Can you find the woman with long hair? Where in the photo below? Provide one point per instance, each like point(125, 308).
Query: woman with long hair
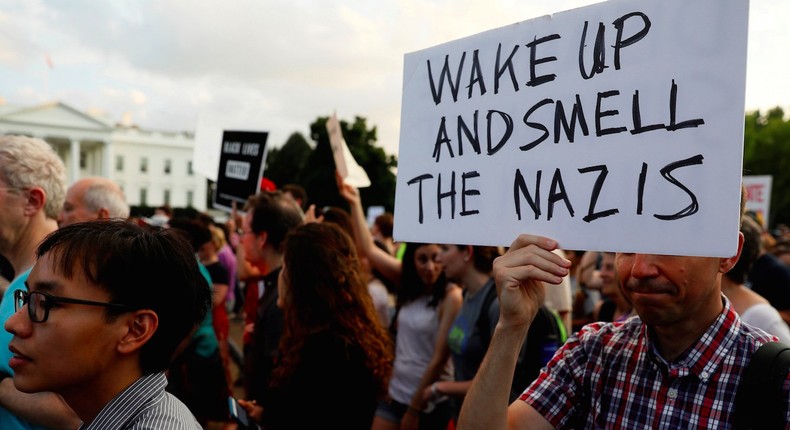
point(426, 306)
point(332, 338)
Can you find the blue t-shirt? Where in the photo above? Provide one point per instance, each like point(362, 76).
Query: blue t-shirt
point(9, 421)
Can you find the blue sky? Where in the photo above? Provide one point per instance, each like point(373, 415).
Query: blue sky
point(275, 64)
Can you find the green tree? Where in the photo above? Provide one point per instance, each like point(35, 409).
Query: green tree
point(284, 165)
point(767, 152)
point(318, 174)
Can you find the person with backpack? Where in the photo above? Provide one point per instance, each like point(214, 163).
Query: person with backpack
point(470, 335)
point(678, 364)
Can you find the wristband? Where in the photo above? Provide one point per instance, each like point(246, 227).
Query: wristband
point(434, 390)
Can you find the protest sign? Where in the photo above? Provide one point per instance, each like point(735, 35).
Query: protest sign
point(240, 167)
point(345, 164)
point(617, 126)
point(758, 196)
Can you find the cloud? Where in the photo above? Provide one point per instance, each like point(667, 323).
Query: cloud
point(276, 63)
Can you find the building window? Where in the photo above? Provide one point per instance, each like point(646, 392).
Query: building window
point(144, 164)
point(167, 197)
point(190, 198)
point(83, 159)
point(167, 167)
point(119, 163)
point(143, 197)
point(190, 172)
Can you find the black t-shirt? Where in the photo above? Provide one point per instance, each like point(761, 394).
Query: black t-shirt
point(770, 278)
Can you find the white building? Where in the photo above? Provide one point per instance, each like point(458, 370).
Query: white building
point(153, 167)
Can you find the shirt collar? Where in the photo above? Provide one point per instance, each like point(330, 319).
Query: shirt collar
point(706, 355)
point(128, 403)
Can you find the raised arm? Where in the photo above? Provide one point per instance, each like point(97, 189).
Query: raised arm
point(381, 260)
point(519, 275)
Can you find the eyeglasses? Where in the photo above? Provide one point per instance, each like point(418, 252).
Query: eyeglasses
point(39, 304)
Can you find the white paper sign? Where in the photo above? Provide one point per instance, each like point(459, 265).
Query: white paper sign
point(347, 167)
point(758, 195)
point(617, 126)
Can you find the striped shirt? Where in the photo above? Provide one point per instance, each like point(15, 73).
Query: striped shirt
point(144, 406)
point(612, 376)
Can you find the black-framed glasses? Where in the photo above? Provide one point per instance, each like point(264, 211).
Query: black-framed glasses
point(39, 304)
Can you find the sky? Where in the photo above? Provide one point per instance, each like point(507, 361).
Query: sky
point(275, 65)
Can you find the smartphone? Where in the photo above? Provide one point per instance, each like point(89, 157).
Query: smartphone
point(239, 414)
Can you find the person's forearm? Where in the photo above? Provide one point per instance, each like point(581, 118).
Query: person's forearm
point(485, 405)
point(43, 409)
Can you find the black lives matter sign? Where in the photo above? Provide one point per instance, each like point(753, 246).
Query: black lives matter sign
point(240, 167)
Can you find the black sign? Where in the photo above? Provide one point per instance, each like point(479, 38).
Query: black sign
point(240, 167)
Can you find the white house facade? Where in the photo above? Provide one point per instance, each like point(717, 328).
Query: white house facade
point(154, 168)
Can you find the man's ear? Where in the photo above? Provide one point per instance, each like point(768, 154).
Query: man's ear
point(728, 263)
point(36, 199)
point(141, 325)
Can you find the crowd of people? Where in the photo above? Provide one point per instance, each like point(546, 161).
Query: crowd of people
point(119, 322)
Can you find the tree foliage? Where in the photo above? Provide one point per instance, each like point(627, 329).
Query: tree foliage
point(767, 152)
point(284, 165)
point(314, 167)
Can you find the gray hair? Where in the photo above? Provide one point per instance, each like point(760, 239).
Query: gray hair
point(104, 193)
point(27, 162)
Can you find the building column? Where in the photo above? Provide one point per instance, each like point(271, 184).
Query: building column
point(74, 171)
point(106, 163)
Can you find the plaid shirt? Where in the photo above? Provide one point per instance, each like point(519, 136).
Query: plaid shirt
point(611, 376)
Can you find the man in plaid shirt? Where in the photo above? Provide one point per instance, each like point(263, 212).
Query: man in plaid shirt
point(676, 365)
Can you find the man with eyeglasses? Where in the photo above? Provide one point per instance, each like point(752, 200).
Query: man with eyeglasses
point(32, 190)
point(98, 331)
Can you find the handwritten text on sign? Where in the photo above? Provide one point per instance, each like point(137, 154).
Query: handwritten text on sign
point(617, 126)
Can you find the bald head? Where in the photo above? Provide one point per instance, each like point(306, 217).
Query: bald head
point(91, 199)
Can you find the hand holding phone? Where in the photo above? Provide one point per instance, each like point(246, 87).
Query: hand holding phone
point(239, 414)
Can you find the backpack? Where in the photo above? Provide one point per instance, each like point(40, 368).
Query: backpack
point(758, 402)
point(546, 334)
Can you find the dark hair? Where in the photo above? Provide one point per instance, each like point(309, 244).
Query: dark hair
point(274, 214)
point(142, 269)
point(340, 217)
point(384, 222)
point(298, 192)
point(483, 257)
point(411, 285)
point(325, 291)
point(195, 231)
point(752, 237)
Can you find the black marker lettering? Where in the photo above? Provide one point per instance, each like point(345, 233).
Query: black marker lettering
point(418, 180)
point(591, 215)
point(555, 195)
point(499, 71)
point(520, 188)
point(465, 192)
point(535, 80)
point(441, 138)
point(445, 74)
point(599, 52)
point(619, 43)
point(440, 196)
point(561, 120)
point(536, 125)
point(505, 136)
point(666, 172)
point(599, 114)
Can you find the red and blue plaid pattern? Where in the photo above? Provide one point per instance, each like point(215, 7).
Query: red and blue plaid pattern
point(610, 376)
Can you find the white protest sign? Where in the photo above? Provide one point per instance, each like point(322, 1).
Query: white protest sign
point(347, 167)
point(617, 126)
point(758, 195)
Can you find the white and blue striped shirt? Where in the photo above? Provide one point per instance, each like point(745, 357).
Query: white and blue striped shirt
point(145, 405)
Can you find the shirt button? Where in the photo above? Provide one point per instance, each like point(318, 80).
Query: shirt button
point(704, 375)
point(673, 393)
